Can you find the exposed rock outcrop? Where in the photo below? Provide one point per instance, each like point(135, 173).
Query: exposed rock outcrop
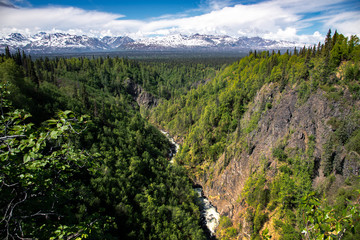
point(283, 115)
point(140, 95)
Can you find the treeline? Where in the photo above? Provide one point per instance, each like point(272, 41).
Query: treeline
point(80, 161)
point(163, 78)
point(209, 120)
point(207, 114)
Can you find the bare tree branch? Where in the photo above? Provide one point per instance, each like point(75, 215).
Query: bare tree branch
point(10, 137)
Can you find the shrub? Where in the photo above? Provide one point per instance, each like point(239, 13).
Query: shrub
point(353, 143)
point(225, 222)
point(259, 219)
point(279, 153)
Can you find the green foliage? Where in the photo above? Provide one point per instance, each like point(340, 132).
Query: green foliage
point(225, 230)
point(322, 222)
point(113, 180)
point(110, 181)
point(282, 193)
point(225, 222)
point(304, 91)
point(328, 158)
point(265, 234)
point(40, 172)
point(353, 144)
point(287, 231)
point(254, 192)
point(208, 116)
point(279, 153)
point(252, 125)
point(346, 133)
point(259, 219)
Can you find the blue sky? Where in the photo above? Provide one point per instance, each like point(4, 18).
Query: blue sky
point(132, 9)
point(305, 21)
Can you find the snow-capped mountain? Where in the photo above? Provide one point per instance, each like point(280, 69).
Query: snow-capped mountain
point(64, 42)
point(175, 41)
point(179, 41)
point(116, 42)
point(15, 39)
point(51, 43)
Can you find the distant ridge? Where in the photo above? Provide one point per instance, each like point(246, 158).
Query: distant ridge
point(64, 43)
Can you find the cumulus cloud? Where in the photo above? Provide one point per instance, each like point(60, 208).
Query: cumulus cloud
point(291, 34)
point(274, 19)
point(54, 17)
point(346, 22)
point(215, 4)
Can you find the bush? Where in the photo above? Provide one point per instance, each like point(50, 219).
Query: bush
point(259, 219)
point(304, 92)
point(354, 88)
point(287, 231)
point(279, 153)
point(354, 142)
point(225, 222)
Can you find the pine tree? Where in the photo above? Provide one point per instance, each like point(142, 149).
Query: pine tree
point(7, 52)
point(17, 57)
point(328, 44)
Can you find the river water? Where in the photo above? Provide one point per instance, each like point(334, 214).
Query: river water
point(209, 217)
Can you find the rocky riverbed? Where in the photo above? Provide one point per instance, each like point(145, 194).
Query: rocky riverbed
point(209, 216)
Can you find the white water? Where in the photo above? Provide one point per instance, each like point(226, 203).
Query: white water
point(208, 211)
point(173, 151)
point(209, 216)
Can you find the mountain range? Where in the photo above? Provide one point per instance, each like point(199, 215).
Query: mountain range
point(64, 42)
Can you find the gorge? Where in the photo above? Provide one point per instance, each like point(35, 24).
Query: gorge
point(209, 216)
point(270, 146)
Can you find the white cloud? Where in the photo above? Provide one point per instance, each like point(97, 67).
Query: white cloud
point(216, 4)
point(290, 34)
point(58, 18)
point(275, 19)
point(346, 22)
point(306, 6)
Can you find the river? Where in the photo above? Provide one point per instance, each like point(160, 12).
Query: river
point(209, 217)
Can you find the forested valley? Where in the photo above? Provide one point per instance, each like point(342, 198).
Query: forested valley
point(274, 139)
point(77, 158)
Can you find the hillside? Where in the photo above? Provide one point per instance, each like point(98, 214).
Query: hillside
point(77, 158)
point(273, 139)
point(274, 135)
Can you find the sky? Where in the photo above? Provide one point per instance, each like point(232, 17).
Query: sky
point(304, 21)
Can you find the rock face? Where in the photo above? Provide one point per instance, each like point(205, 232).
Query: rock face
point(285, 116)
point(142, 97)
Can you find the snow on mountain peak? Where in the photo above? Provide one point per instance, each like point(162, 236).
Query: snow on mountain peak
point(60, 42)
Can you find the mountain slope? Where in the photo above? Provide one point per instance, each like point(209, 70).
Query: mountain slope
point(63, 42)
point(198, 41)
point(52, 43)
point(106, 179)
point(116, 42)
point(267, 132)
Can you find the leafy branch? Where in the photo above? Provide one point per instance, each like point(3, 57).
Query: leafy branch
point(322, 222)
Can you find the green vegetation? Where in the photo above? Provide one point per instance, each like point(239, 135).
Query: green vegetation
point(229, 93)
point(322, 222)
point(80, 161)
point(220, 118)
point(103, 175)
point(225, 228)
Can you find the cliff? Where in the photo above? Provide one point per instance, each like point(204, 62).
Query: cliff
point(142, 97)
point(274, 139)
point(289, 122)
